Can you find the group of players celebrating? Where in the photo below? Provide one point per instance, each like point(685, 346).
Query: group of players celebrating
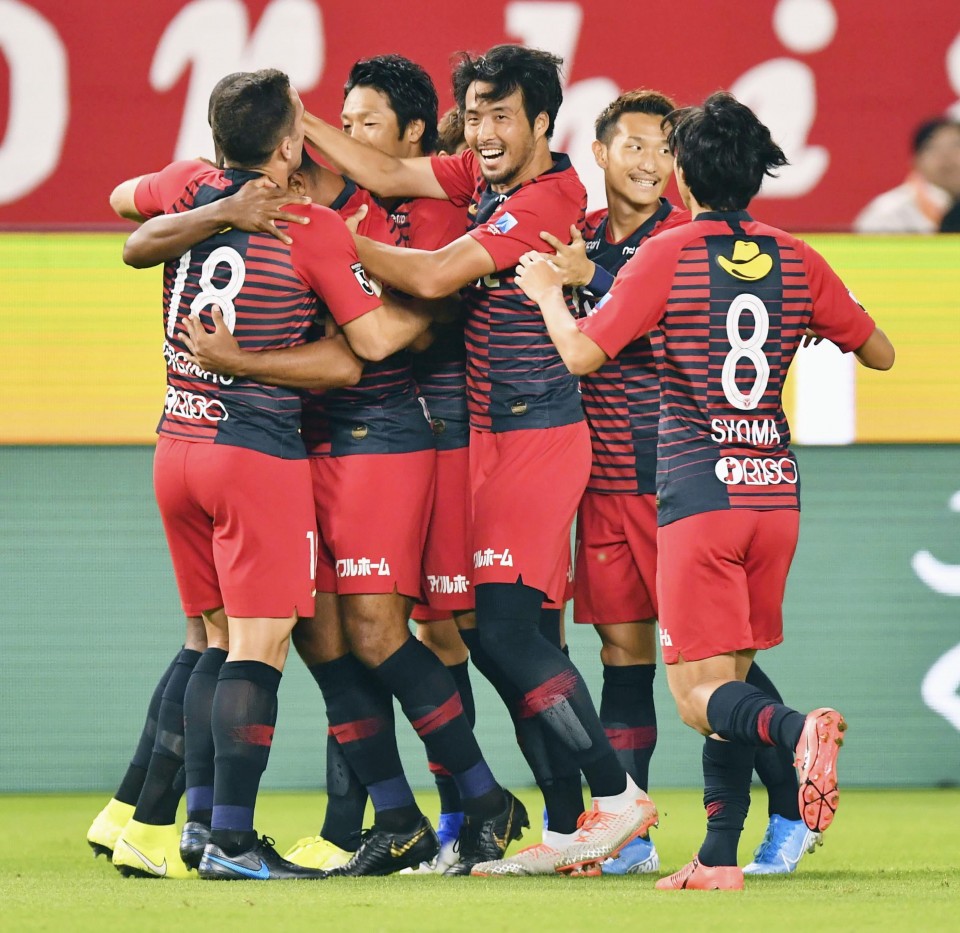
point(394, 389)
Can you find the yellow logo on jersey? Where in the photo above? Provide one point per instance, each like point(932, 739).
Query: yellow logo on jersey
point(748, 263)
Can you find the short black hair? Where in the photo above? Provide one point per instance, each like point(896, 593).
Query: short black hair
point(923, 133)
point(508, 68)
point(218, 89)
point(251, 115)
point(723, 150)
point(640, 100)
point(407, 86)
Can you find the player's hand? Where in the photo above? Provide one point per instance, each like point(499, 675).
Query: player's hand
point(354, 220)
point(215, 351)
point(257, 207)
point(537, 276)
point(570, 259)
point(811, 339)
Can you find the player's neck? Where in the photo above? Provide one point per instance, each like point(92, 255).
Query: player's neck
point(624, 218)
point(540, 161)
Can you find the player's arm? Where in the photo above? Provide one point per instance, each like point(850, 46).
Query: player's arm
point(122, 200)
point(319, 365)
point(425, 273)
point(572, 264)
point(389, 328)
point(255, 208)
point(877, 352)
point(543, 283)
point(374, 170)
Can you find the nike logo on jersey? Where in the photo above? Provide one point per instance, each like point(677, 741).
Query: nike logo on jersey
point(748, 264)
point(260, 873)
point(160, 870)
point(398, 851)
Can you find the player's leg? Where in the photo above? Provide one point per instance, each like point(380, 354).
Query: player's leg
point(198, 738)
point(109, 822)
point(441, 635)
point(787, 838)
point(527, 485)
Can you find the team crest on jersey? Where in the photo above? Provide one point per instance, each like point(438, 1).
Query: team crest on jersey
point(747, 264)
point(370, 285)
point(503, 224)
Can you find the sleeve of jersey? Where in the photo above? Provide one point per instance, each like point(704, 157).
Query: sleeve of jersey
point(158, 192)
point(378, 226)
point(435, 223)
point(457, 175)
point(515, 227)
point(837, 315)
point(636, 302)
point(324, 256)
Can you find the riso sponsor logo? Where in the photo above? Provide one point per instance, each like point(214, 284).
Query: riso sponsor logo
point(760, 432)
point(756, 471)
point(182, 404)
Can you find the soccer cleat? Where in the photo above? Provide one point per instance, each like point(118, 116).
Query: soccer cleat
point(317, 852)
point(383, 853)
point(816, 763)
point(261, 862)
point(448, 832)
point(534, 860)
point(636, 858)
point(193, 840)
point(696, 877)
point(604, 834)
point(107, 825)
point(487, 840)
point(146, 851)
point(784, 843)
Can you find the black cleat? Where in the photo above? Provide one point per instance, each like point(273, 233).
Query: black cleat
point(260, 863)
point(383, 853)
point(487, 840)
point(193, 840)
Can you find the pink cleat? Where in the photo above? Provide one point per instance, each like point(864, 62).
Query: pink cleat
point(816, 763)
point(696, 877)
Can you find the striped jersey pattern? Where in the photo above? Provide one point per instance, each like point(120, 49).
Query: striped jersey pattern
point(515, 377)
point(732, 298)
point(622, 399)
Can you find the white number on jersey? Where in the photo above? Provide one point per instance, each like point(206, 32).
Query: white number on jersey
point(751, 350)
point(210, 294)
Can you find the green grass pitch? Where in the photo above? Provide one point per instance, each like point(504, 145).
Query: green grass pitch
point(890, 862)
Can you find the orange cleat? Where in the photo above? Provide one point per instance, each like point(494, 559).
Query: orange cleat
point(816, 763)
point(696, 877)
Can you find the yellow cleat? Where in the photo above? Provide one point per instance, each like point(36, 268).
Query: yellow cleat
point(317, 852)
point(106, 828)
point(145, 851)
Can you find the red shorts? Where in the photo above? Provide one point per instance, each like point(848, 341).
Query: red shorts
point(372, 511)
point(721, 581)
point(447, 563)
point(616, 570)
point(526, 486)
point(240, 528)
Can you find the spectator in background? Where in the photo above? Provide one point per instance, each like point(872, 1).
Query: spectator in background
point(930, 189)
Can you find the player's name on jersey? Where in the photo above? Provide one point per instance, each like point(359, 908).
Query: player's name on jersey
point(758, 432)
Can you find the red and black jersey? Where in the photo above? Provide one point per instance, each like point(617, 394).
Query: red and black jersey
point(382, 412)
point(441, 369)
point(515, 377)
point(269, 293)
point(622, 399)
point(732, 298)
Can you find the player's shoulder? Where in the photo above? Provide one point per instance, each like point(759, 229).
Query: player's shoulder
point(593, 222)
point(677, 217)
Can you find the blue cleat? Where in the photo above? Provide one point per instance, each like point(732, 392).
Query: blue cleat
point(637, 858)
point(259, 863)
point(784, 843)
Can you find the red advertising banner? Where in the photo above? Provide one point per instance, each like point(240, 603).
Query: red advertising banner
point(95, 91)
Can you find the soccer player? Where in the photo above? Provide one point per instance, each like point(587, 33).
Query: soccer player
point(244, 546)
point(615, 581)
point(529, 446)
point(732, 299)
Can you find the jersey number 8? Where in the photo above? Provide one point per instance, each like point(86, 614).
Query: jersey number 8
point(751, 350)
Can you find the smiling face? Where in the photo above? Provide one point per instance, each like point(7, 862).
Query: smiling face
point(636, 160)
point(504, 142)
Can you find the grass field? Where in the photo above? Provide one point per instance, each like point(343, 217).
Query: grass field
point(889, 863)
